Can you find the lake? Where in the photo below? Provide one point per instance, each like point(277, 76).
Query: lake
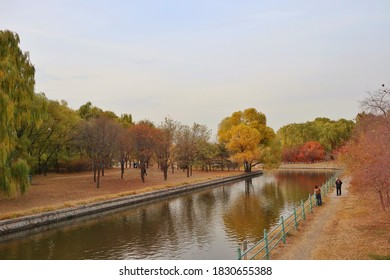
point(206, 224)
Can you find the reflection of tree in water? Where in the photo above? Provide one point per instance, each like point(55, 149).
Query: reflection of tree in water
point(297, 184)
point(253, 210)
point(248, 186)
point(138, 230)
point(160, 229)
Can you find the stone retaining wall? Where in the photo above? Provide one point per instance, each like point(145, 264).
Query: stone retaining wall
point(28, 222)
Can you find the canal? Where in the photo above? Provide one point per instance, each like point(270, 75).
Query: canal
point(206, 224)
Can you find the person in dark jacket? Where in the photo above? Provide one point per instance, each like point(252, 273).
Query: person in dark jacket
point(338, 187)
point(317, 192)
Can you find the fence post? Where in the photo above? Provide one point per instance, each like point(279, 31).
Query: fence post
point(303, 210)
point(311, 205)
point(239, 253)
point(283, 230)
point(245, 248)
point(327, 186)
point(266, 244)
point(295, 218)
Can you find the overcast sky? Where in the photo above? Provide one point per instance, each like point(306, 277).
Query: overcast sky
point(200, 61)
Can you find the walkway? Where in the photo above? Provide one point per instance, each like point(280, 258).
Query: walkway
point(307, 243)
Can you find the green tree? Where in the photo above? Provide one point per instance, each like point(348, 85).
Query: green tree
point(330, 134)
point(49, 141)
point(17, 80)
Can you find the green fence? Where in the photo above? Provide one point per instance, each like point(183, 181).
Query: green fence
point(262, 249)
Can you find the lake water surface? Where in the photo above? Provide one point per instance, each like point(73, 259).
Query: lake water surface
point(206, 224)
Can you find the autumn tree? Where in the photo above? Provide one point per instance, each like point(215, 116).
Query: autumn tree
point(377, 102)
point(189, 141)
point(311, 152)
point(17, 80)
point(98, 137)
point(330, 134)
point(367, 155)
point(144, 137)
point(246, 135)
point(165, 144)
point(124, 148)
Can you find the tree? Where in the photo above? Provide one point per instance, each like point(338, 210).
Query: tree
point(367, 154)
point(246, 135)
point(17, 80)
point(144, 137)
point(377, 102)
point(98, 137)
point(165, 144)
point(124, 148)
point(311, 152)
point(50, 139)
point(330, 134)
point(126, 120)
point(367, 157)
point(189, 141)
point(244, 145)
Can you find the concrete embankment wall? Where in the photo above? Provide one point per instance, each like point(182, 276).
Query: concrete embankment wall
point(29, 222)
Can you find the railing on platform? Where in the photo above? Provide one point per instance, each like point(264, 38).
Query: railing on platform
point(262, 249)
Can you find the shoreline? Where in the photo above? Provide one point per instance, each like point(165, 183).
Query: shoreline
point(14, 225)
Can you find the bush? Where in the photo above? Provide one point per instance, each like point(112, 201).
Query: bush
point(77, 165)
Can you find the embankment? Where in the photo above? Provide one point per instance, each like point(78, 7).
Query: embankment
point(28, 222)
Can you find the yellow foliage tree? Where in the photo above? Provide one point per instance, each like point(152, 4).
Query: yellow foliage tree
point(246, 136)
point(244, 145)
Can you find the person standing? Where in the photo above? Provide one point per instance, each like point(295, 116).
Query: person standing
point(317, 192)
point(338, 187)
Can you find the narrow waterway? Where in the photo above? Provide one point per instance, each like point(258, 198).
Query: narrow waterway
point(207, 224)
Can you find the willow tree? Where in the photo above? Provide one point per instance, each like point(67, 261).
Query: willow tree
point(247, 136)
point(16, 98)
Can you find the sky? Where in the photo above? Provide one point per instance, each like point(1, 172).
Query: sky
point(200, 61)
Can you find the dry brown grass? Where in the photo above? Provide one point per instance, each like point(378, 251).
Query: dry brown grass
point(56, 191)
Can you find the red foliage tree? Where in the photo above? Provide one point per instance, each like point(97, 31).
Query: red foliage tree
point(144, 139)
point(290, 155)
point(367, 157)
point(311, 152)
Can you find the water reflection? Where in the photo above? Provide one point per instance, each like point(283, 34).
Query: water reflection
point(208, 224)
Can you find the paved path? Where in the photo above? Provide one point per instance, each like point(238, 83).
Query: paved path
point(306, 243)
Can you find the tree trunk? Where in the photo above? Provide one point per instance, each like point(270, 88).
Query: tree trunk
point(98, 177)
point(381, 199)
point(143, 171)
point(122, 168)
point(39, 166)
point(94, 172)
point(165, 170)
point(247, 167)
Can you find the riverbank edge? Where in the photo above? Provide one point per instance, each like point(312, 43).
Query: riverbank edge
point(28, 222)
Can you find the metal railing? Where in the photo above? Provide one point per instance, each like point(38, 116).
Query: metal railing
point(262, 249)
